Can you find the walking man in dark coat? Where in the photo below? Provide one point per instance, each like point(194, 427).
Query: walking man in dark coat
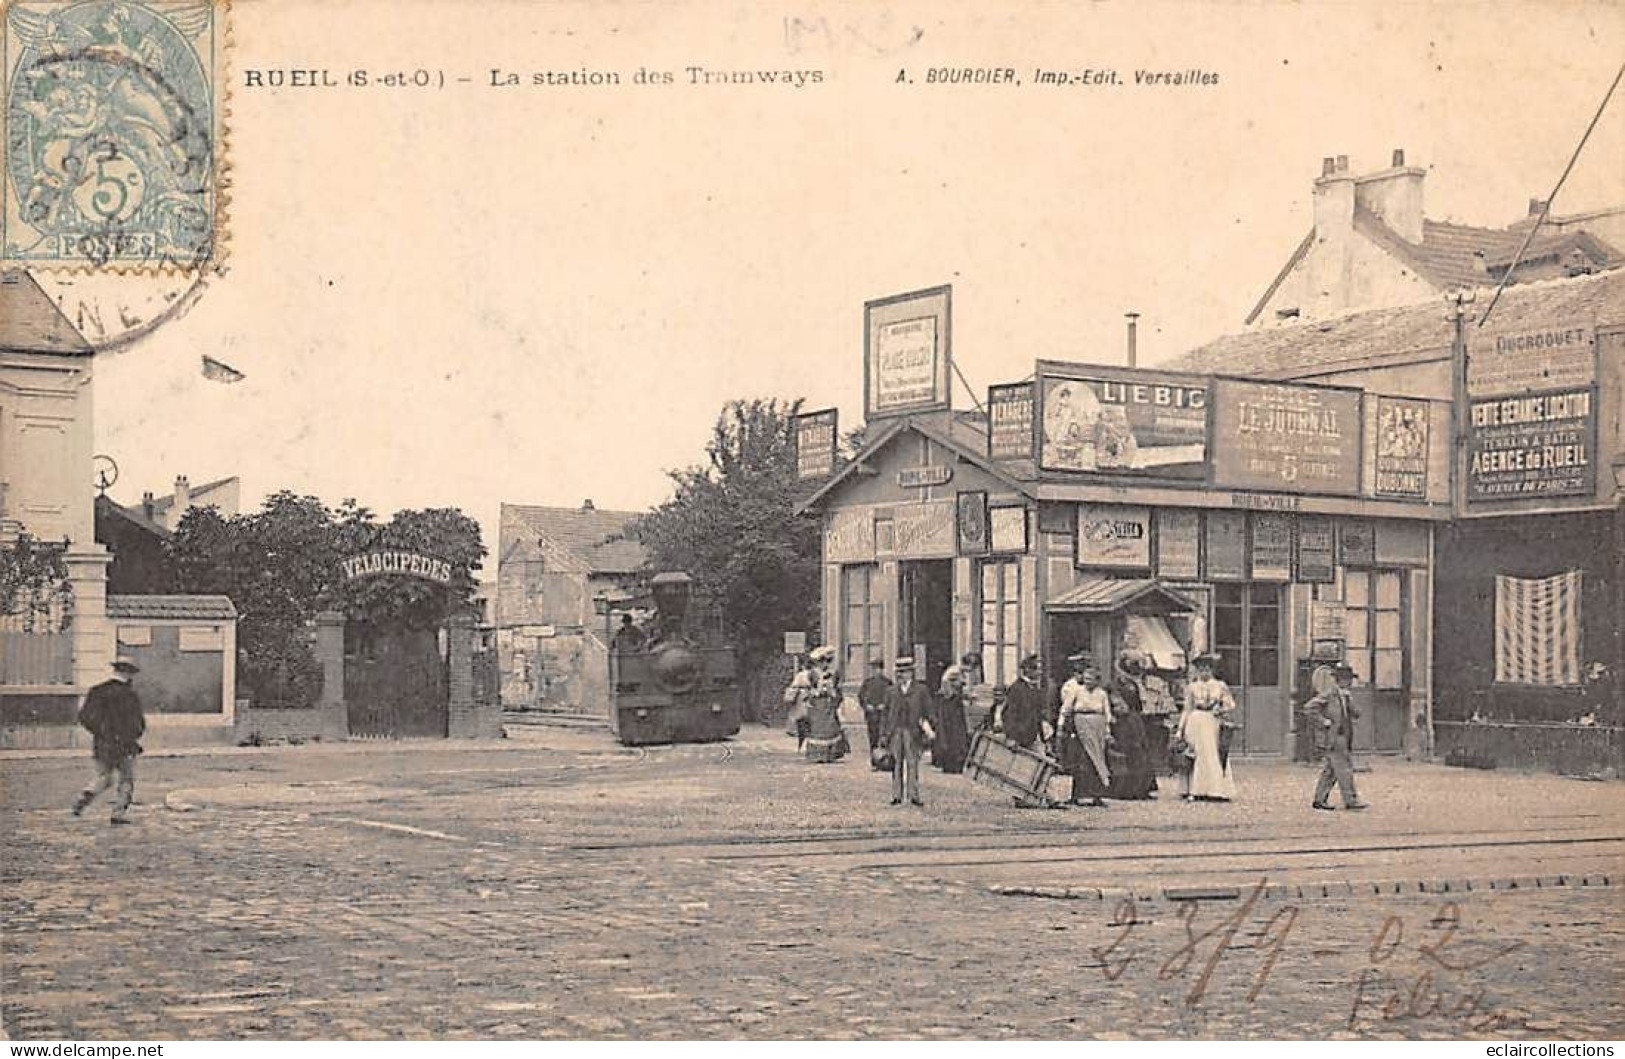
point(905, 730)
point(112, 714)
point(872, 698)
point(1331, 717)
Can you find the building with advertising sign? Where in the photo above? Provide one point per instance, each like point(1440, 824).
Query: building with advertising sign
point(1530, 590)
point(1096, 508)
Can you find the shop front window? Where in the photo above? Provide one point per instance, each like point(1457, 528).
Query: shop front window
point(1247, 633)
point(1001, 620)
point(1376, 637)
point(862, 621)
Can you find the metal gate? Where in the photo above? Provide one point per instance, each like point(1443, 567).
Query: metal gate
point(395, 681)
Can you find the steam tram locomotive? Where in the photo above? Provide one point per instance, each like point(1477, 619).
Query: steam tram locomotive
point(678, 685)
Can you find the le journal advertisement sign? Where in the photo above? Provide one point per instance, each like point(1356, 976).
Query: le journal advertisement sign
point(1274, 436)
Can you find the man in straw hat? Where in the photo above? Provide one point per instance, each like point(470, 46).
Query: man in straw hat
point(1331, 715)
point(905, 730)
point(112, 714)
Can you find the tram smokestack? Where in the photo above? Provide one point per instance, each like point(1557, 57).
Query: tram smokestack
point(1133, 337)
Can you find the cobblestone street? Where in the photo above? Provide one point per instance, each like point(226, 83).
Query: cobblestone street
point(560, 886)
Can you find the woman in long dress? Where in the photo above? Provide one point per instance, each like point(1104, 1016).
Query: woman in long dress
point(1133, 776)
point(1085, 729)
point(826, 739)
point(952, 746)
point(1209, 706)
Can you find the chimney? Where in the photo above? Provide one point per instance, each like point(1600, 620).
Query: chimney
point(146, 505)
point(1481, 268)
point(586, 505)
point(1395, 195)
point(1133, 337)
point(183, 496)
point(1334, 200)
point(1537, 207)
point(1332, 259)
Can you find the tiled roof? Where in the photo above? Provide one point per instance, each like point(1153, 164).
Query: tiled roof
point(1285, 352)
point(1447, 255)
point(30, 322)
point(170, 608)
point(1100, 595)
point(596, 536)
point(110, 508)
point(164, 503)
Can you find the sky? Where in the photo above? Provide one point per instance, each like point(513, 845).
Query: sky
point(475, 295)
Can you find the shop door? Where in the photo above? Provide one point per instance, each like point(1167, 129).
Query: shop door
point(926, 614)
point(1247, 638)
point(1377, 653)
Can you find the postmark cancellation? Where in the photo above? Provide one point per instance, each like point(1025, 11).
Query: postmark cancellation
point(113, 124)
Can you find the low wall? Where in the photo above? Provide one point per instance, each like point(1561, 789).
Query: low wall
point(1567, 749)
point(327, 722)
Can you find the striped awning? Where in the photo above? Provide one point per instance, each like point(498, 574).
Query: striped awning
point(1103, 595)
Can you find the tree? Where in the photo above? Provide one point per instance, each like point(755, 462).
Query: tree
point(280, 566)
point(34, 584)
point(731, 525)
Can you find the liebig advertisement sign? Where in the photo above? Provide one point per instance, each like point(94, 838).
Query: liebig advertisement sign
point(1122, 422)
point(1290, 438)
point(1532, 446)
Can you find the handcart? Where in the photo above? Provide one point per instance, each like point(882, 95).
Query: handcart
point(1024, 774)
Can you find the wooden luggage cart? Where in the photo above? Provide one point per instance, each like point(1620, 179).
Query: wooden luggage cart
point(1025, 774)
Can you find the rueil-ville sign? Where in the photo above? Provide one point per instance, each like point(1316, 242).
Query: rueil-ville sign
point(401, 564)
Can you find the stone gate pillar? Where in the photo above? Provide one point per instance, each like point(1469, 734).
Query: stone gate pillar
point(467, 718)
point(330, 653)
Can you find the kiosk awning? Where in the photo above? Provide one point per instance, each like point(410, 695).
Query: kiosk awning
point(1103, 595)
point(1148, 634)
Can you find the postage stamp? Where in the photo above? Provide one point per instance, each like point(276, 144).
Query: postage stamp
point(113, 134)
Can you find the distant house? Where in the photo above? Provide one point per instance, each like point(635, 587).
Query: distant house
point(140, 563)
point(223, 494)
point(1371, 246)
point(553, 562)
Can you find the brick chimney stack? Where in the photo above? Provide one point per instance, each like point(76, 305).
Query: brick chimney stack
point(586, 505)
point(1395, 195)
point(183, 497)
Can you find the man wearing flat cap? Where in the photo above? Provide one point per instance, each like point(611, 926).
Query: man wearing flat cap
point(1331, 715)
point(112, 714)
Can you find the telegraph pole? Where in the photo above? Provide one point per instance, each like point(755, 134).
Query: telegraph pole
point(1460, 414)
